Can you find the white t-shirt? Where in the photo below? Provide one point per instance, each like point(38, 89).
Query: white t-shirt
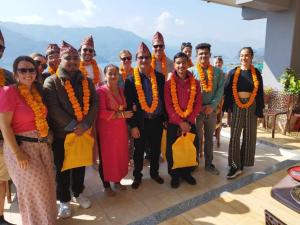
point(90, 72)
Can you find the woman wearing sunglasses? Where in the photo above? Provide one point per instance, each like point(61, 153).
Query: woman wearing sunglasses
point(27, 154)
point(41, 63)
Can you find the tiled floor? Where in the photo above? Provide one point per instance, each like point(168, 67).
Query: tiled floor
point(243, 207)
point(131, 205)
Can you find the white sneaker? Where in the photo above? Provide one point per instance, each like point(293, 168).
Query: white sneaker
point(84, 202)
point(64, 210)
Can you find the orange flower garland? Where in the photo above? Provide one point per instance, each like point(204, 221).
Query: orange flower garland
point(206, 86)
point(190, 63)
point(79, 113)
point(140, 91)
point(123, 72)
point(34, 100)
point(2, 78)
point(163, 63)
point(51, 70)
point(235, 92)
point(96, 70)
point(189, 108)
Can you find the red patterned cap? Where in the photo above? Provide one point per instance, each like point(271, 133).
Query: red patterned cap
point(158, 38)
point(1, 37)
point(67, 49)
point(88, 41)
point(143, 48)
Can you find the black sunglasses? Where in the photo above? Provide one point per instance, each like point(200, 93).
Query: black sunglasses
point(88, 50)
point(39, 63)
point(26, 70)
point(160, 46)
point(143, 57)
point(2, 47)
point(126, 58)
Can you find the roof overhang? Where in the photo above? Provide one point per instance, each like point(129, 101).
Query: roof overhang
point(263, 5)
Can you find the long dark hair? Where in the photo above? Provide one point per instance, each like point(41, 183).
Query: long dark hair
point(250, 50)
point(26, 59)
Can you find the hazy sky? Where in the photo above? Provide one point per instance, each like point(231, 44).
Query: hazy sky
point(185, 20)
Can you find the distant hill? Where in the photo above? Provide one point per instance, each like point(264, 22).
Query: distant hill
point(24, 39)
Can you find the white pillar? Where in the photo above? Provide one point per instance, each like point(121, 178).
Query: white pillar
point(282, 42)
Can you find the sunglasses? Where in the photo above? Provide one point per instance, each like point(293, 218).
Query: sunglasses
point(2, 47)
point(126, 58)
point(26, 70)
point(160, 46)
point(39, 63)
point(88, 50)
point(143, 57)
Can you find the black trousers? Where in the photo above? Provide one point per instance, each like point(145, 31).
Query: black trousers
point(150, 136)
point(63, 179)
point(172, 135)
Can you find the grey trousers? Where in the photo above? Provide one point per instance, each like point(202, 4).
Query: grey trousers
point(206, 126)
point(242, 120)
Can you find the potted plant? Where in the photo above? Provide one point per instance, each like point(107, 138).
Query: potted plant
point(290, 81)
point(267, 93)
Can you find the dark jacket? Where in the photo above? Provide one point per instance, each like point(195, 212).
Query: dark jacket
point(60, 111)
point(229, 99)
point(9, 78)
point(132, 99)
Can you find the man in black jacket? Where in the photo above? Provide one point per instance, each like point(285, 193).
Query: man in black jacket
point(144, 93)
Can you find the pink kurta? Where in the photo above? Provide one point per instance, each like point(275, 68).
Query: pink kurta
point(112, 135)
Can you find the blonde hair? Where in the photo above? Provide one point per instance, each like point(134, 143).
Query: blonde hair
point(124, 52)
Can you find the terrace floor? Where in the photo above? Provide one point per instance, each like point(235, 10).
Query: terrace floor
point(214, 199)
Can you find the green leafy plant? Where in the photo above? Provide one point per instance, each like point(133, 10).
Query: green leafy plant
point(268, 90)
point(290, 81)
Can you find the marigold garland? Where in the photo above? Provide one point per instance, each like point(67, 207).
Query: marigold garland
point(123, 72)
point(34, 100)
point(79, 113)
point(51, 70)
point(190, 63)
point(140, 91)
point(163, 63)
point(2, 78)
point(235, 92)
point(96, 70)
point(206, 86)
point(189, 108)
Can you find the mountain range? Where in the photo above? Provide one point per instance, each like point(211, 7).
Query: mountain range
point(24, 39)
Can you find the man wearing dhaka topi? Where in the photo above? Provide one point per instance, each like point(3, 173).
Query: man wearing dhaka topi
point(88, 65)
point(72, 104)
point(144, 92)
point(159, 61)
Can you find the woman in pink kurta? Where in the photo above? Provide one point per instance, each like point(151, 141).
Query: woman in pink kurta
point(112, 129)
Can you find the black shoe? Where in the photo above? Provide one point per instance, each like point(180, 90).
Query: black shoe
point(233, 173)
point(212, 169)
point(175, 182)
point(158, 179)
point(189, 179)
point(136, 183)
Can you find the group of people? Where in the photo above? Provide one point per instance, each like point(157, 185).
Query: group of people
point(116, 106)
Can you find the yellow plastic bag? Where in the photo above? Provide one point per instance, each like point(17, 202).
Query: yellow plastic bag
point(163, 145)
point(184, 151)
point(78, 150)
